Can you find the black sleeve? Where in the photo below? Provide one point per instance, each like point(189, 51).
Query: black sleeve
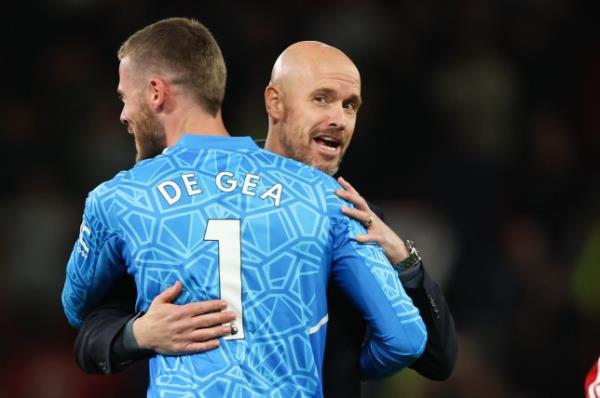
point(439, 357)
point(95, 343)
point(345, 334)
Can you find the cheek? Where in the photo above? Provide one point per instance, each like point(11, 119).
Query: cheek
point(302, 115)
point(350, 125)
point(309, 122)
point(305, 130)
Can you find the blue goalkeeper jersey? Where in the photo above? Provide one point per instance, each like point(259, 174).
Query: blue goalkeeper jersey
point(262, 232)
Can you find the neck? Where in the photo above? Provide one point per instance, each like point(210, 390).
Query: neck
point(272, 143)
point(193, 120)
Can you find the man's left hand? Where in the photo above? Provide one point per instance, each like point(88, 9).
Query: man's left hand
point(377, 230)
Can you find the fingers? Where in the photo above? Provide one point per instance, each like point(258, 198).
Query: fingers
point(203, 307)
point(169, 294)
point(351, 195)
point(202, 339)
point(207, 334)
point(366, 239)
point(201, 346)
point(346, 185)
point(364, 217)
point(213, 319)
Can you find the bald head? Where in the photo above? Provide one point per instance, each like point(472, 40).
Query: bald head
point(304, 59)
point(312, 102)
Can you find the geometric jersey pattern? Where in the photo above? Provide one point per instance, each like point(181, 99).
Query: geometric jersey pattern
point(263, 232)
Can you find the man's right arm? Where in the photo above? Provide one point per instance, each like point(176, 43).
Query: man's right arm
point(100, 328)
point(439, 358)
point(397, 335)
point(112, 336)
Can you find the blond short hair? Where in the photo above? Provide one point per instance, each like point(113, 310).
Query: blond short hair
point(184, 49)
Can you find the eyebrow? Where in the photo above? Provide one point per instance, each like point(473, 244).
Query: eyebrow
point(357, 100)
point(329, 91)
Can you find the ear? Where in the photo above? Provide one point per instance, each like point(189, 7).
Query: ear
point(274, 102)
point(157, 92)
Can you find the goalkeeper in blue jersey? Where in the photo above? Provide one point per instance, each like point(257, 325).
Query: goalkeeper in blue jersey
point(236, 223)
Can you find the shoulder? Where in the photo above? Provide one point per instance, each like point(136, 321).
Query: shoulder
point(301, 171)
point(127, 189)
point(144, 173)
point(311, 176)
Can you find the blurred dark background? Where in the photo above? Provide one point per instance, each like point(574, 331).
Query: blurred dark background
point(479, 137)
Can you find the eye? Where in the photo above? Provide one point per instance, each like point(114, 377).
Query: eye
point(320, 99)
point(350, 106)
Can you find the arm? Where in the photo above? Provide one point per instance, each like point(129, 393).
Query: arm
point(112, 337)
point(397, 335)
point(98, 334)
point(439, 358)
point(94, 265)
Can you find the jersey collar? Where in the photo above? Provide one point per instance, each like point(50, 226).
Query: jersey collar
point(215, 142)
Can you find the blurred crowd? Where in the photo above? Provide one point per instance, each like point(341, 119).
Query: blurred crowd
point(479, 137)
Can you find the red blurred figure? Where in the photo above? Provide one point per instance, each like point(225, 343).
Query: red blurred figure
point(592, 382)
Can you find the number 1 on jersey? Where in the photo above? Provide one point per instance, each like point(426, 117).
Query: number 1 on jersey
point(228, 235)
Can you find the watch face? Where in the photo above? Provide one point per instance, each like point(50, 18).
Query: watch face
point(413, 257)
point(410, 246)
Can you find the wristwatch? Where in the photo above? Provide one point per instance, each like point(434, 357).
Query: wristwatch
point(412, 260)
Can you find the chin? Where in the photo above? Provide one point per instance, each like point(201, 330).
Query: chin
point(328, 168)
point(332, 171)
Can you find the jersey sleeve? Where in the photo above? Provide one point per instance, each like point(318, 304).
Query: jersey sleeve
point(396, 332)
point(94, 264)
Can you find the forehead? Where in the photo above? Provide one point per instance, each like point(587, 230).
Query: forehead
point(337, 80)
point(123, 83)
point(341, 76)
point(126, 75)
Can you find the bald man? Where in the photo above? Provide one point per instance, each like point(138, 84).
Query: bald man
point(312, 102)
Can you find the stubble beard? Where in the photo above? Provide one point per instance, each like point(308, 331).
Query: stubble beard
point(329, 167)
point(150, 137)
point(295, 147)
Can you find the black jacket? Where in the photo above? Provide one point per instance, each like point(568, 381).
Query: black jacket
point(97, 349)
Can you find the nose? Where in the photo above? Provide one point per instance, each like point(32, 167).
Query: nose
point(123, 118)
point(337, 117)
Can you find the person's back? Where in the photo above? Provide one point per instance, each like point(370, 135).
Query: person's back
point(259, 231)
point(252, 234)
